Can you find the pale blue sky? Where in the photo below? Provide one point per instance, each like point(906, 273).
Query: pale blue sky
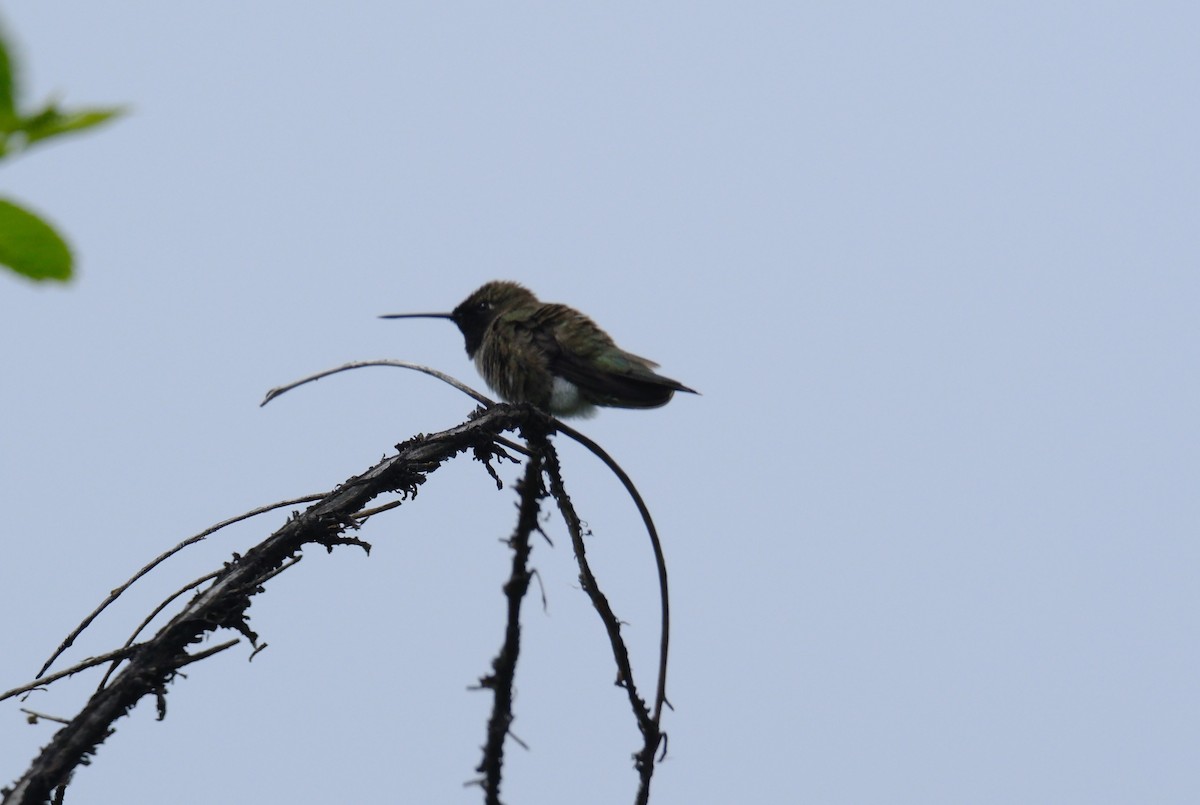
point(932, 526)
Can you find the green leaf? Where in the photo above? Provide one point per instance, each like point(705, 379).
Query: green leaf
point(50, 122)
point(8, 92)
point(30, 246)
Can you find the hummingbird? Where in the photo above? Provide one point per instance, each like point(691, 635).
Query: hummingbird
point(551, 355)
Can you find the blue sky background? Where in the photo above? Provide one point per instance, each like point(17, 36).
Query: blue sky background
point(931, 528)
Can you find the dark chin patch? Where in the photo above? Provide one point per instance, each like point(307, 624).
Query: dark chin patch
point(472, 328)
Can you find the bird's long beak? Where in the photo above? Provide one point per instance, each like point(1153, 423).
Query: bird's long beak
point(419, 316)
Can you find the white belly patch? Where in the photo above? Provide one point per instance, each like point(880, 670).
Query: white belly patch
point(566, 400)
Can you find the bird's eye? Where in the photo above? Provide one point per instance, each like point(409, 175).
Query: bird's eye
point(483, 306)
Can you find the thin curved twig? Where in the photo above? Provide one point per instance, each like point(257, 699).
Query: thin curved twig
point(652, 736)
point(660, 560)
point(445, 378)
point(115, 594)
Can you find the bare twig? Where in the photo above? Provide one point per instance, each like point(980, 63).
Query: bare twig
point(208, 652)
point(295, 560)
point(504, 666)
point(34, 715)
point(90, 662)
point(445, 378)
point(366, 514)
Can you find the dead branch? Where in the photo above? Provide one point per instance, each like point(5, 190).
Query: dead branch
point(152, 665)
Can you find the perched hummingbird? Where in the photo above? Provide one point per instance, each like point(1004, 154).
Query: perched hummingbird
point(551, 355)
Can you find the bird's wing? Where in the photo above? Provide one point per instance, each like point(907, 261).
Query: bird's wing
point(582, 353)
